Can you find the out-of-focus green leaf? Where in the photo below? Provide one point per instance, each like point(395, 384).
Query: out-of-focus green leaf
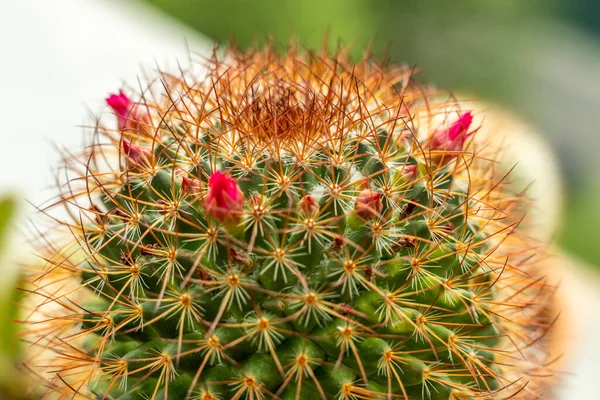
point(7, 211)
point(581, 224)
point(11, 381)
point(247, 22)
point(9, 345)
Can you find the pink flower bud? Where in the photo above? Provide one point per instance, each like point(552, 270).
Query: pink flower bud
point(130, 116)
point(453, 138)
point(409, 172)
point(190, 185)
point(224, 200)
point(120, 104)
point(308, 205)
point(368, 204)
point(136, 154)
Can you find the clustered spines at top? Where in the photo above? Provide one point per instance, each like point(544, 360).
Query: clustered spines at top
point(294, 227)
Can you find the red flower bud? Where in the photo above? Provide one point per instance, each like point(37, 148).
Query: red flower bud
point(136, 154)
point(129, 115)
point(190, 185)
point(409, 172)
point(224, 200)
point(120, 104)
point(454, 137)
point(308, 205)
point(368, 204)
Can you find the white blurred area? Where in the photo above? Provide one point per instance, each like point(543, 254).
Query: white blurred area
point(60, 58)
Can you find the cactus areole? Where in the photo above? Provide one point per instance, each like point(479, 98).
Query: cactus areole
point(288, 225)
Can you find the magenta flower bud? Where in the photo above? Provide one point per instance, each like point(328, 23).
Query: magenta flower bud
point(121, 105)
point(224, 200)
point(129, 115)
point(453, 138)
point(190, 185)
point(368, 204)
point(135, 153)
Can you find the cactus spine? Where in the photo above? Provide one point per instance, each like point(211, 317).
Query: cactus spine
point(289, 226)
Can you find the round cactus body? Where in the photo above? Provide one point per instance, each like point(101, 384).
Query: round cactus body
point(289, 226)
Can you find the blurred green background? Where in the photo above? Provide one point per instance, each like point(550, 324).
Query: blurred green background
point(12, 381)
point(539, 58)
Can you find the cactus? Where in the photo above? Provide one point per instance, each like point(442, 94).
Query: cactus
point(290, 226)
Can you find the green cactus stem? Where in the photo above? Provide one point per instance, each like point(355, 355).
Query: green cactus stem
point(289, 226)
